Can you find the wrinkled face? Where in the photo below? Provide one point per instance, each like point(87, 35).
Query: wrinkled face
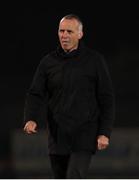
point(69, 34)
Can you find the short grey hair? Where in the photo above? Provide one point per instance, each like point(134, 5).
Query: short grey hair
point(74, 16)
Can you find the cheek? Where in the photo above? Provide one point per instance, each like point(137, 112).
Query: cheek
point(59, 36)
point(75, 40)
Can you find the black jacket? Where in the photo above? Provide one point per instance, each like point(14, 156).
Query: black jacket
point(80, 99)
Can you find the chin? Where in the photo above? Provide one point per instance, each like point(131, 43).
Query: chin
point(65, 48)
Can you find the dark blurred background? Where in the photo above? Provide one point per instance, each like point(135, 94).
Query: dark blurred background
point(29, 31)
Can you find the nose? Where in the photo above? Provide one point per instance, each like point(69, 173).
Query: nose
point(65, 34)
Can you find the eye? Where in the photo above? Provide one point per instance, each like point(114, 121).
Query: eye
point(61, 30)
point(69, 31)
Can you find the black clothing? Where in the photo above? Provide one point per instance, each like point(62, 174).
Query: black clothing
point(74, 166)
point(59, 165)
point(80, 99)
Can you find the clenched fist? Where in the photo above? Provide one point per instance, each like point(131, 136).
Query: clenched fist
point(102, 142)
point(30, 127)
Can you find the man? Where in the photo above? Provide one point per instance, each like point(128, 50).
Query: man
point(80, 102)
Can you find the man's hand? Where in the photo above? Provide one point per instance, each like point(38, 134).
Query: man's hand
point(30, 127)
point(102, 142)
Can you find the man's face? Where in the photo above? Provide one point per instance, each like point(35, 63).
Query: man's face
point(69, 34)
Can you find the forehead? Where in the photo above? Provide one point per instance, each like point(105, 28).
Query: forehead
point(68, 24)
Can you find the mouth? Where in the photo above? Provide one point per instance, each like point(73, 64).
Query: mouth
point(65, 42)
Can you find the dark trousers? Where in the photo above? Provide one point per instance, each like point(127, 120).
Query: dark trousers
point(74, 166)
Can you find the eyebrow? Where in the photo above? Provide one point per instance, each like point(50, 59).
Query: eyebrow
point(68, 30)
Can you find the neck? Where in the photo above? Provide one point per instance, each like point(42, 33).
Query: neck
point(70, 50)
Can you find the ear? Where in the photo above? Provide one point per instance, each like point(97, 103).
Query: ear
point(80, 35)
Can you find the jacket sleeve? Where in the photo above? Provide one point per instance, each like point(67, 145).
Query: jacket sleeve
point(36, 94)
point(105, 97)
